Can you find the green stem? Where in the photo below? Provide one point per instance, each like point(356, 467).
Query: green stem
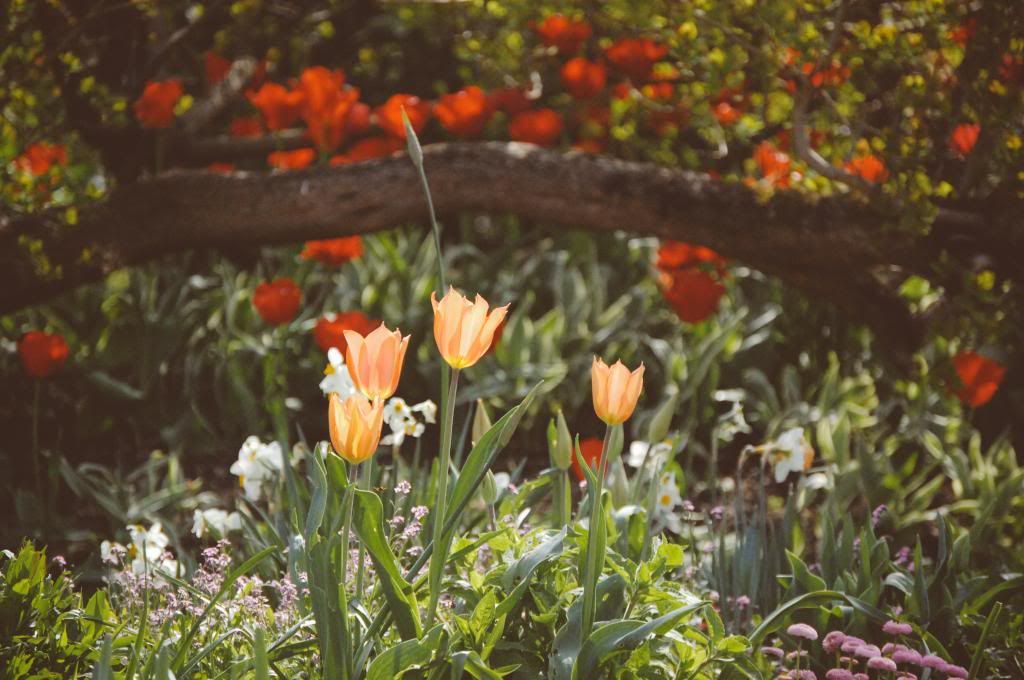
point(441, 500)
point(593, 562)
point(346, 537)
point(367, 483)
point(563, 502)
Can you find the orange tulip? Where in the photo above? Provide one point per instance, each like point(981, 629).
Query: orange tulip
point(355, 425)
point(616, 390)
point(464, 330)
point(375, 361)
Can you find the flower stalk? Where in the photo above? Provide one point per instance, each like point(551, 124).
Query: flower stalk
point(437, 558)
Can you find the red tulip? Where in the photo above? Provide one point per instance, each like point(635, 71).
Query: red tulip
point(368, 149)
point(963, 138)
point(979, 377)
point(277, 302)
point(41, 353)
point(582, 78)
point(674, 255)
point(693, 294)
point(511, 100)
point(333, 251)
point(291, 160)
point(221, 168)
point(216, 67)
point(280, 107)
point(330, 329)
point(635, 57)
point(726, 114)
point(39, 157)
point(774, 164)
point(869, 168)
point(326, 105)
point(590, 449)
point(155, 108)
point(246, 127)
point(389, 114)
point(564, 34)
point(464, 113)
point(541, 126)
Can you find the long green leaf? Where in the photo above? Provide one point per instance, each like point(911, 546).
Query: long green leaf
point(394, 661)
point(369, 525)
point(777, 618)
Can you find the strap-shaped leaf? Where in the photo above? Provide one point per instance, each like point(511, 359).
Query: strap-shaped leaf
point(369, 525)
point(619, 636)
point(611, 601)
point(517, 576)
point(405, 656)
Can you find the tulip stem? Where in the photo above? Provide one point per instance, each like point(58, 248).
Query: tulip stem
point(592, 560)
point(437, 558)
point(367, 482)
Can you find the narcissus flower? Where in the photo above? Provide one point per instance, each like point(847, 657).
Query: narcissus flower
point(616, 390)
point(464, 113)
point(564, 34)
point(542, 127)
point(280, 107)
point(389, 114)
point(869, 168)
point(355, 424)
point(333, 251)
point(635, 57)
point(277, 302)
point(464, 330)
point(291, 160)
point(39, 157)
point(583, 78)
point(590, 449)
point(979, 377)
point(42, 354)
point(375, 360)
point(155, 108)
point(330, 329)
point(963, 138)
point(790, 453)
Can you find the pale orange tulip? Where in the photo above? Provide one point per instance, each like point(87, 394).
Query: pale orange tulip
point(464, 330)
point(375, 361)
point(355, 425)
point(616, 390)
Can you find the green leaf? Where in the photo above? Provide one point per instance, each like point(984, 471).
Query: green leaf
point(517, 576)
point(261, 667)
point(394, 661)
point(621, 636)
point(369, 525)
point(102, 670)
point(777, 618)
point(318, 503)
point(611, 600)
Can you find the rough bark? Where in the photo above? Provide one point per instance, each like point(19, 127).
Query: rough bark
point(832, 248)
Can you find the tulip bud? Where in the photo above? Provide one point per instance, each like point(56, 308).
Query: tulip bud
point(662, 420)
point(481, 422)
point(412, 141)
point(489, 488)
point(560, 442)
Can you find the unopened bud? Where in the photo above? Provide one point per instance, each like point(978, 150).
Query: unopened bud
point(560, 443)
point(489, 488)
point(481, 422)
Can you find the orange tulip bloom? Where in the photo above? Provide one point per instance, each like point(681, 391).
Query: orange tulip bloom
point(155, 108)
point(542, 127)
point(464, 330)
point(389, 114)
point(582, 78)
point(615, 390)
point(464, 113)
point(375, 361)
point(355, 425)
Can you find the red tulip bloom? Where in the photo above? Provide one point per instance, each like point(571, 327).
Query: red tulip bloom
point(693, 293)
point(726, 114)
point(679, 255)
point(333, 251)
point(359, 119)
point(291, 160)
point(635, 57)
point(280, 107)
point(277, 302)
point(464, 113)
point(41, 353)
point(368, 149)
point(774, 164)
point(589, 145)
point(564, 34)
point(389, 114)
point(155, 108)
point(963, 33)
point(39, 157)
point(963, 138)
point(330, 329)
point(541, 126)
point(221, 168)
point(326, 105)
point(979, 377)
point(590, 450)
point(869, 168)
point(216, 67)
point(511, 100)
point(246, 127)
point(582, 78)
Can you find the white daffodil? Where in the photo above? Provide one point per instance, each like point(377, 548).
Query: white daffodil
point(401, 418)
point(148, 549)
point(220, 521)
point(790, 453)
point(667, 504)
point(643, 453)
point(336, 376)
point(257, 462)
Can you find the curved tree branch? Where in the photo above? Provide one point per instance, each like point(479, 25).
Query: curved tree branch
point(829, 247)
